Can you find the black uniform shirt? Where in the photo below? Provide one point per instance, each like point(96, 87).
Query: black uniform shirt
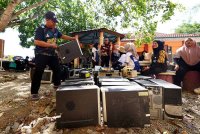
point(49, 35)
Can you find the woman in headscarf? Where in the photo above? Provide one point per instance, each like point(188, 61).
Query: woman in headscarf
point(187, 58)
point(132, 57)
point(141, 58)
point(121, 59)
point(159, 59)
point(122, 55)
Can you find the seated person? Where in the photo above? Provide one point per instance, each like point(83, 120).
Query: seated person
point(187, 58)
point(142, 57)
point(132, 57)
point(159, 59)
point(121, 59)
point(122, 54)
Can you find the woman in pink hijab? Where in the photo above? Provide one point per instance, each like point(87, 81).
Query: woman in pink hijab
point(187, 58)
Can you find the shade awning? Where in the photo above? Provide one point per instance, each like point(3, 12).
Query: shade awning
point(92, 36)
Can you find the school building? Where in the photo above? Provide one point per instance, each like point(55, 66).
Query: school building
point(172, 41)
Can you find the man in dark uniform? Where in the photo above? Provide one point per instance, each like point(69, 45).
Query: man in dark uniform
point(45, 54)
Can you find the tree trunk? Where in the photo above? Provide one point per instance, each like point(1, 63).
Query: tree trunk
point(7, 14)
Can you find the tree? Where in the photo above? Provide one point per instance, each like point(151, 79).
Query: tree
point(75, 15)
point(188, 28)
point(10, 11)
point(141, 15)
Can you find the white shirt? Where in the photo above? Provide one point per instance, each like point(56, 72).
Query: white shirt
point(128, 61)
point(94, 50)
point(122, 58)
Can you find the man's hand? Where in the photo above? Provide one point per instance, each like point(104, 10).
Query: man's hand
point(66, 37)
point(146, 68)
point(45, 44)
point(53, 46)
point(176, 68)
point(76, 37)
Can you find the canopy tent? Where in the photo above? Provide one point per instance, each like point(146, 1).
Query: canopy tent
point(96, 36)
point(92, 36)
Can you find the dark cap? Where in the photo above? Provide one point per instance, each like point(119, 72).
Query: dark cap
point(51, 16)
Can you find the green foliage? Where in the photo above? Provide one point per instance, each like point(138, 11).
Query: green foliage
point(141, 15)
point(3, 4)
point(73, 15)
point(76, 15)
point(188, 28)
point(128, 36)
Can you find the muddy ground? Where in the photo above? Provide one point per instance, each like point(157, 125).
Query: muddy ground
point(18, 114)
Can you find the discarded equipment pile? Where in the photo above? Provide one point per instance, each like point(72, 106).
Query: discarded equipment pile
point(122, 102)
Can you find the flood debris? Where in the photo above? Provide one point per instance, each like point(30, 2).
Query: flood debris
point(6, 78)
point(197, 90)
point(43, 125)
point(39, 117)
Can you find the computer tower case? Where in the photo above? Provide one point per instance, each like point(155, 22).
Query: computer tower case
point(156, 98)
point(78, 106)
point(115, 83)
point(69, 51)
point(140, 77)
point(74, 73)
point(79, 79)
point(125, 106)
point(172, 99)
point(110, 73)
point(78, 83)
point(46, 76)
point(111, 79)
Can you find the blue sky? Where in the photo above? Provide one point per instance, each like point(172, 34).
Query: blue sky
point(12, 46)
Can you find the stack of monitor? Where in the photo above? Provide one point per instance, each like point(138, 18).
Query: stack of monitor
point(46, 76)
point(125, 106)
point(125, 103)
point(172, 99)
point(155, 98)
point(78, 106)
point(165, 98)
point(69, 51)
point(106, 80)
point(110, 73)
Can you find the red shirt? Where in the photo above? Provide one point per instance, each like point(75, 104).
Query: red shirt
point(105, 50)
